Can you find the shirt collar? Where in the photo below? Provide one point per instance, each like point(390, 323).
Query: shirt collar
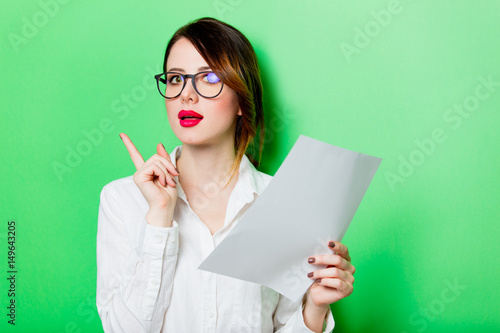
point(248, 183)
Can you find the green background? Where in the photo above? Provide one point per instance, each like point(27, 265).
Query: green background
point(344, 72)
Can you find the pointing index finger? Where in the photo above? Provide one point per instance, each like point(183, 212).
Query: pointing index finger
point(132, 150)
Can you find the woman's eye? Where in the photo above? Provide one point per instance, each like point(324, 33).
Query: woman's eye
point(211, 78)
point(175, 79)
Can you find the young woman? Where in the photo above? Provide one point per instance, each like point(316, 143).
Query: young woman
point(157, 226)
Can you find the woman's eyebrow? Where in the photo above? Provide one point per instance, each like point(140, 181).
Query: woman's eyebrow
point(177, 69)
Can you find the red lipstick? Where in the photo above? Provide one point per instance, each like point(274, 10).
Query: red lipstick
point(189, 118)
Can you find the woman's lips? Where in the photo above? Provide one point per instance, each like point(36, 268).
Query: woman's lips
point(189, 118)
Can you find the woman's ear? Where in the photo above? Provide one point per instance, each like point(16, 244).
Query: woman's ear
point(239, 112)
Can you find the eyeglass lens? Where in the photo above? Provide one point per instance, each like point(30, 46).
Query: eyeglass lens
point(207, 84)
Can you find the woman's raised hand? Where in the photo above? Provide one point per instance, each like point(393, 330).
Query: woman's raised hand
point(155, 179)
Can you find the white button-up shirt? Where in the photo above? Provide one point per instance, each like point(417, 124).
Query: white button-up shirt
point(147, 276)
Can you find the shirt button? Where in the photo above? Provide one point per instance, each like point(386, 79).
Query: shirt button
point(171, 239)
point(210, 314)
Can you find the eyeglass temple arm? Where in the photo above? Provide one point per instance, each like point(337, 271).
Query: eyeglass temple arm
point(158, 77)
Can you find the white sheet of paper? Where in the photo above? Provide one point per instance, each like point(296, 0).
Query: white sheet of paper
point(311, 200)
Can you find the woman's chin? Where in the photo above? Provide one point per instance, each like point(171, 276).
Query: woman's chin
point(202, 137)
point(193, 140)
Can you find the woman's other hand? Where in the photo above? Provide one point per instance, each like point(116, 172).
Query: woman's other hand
point(155, 179)
point(333, 282)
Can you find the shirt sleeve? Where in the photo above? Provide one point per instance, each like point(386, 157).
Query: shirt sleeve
point(134, 278)
point(288, 317)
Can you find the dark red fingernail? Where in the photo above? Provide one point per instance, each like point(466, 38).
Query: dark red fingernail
point(163, 147)
point(311, 260)
point(310, 274)
point(318, 280)
point(331, 244)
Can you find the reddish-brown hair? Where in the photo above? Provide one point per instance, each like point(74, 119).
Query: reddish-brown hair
point(231, 56)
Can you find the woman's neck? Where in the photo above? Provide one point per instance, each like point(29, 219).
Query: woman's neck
point(200, 165)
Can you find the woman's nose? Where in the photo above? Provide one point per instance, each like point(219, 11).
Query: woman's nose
point(189, 92)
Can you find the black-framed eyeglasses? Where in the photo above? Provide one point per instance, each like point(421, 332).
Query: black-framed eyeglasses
point(171, 84)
